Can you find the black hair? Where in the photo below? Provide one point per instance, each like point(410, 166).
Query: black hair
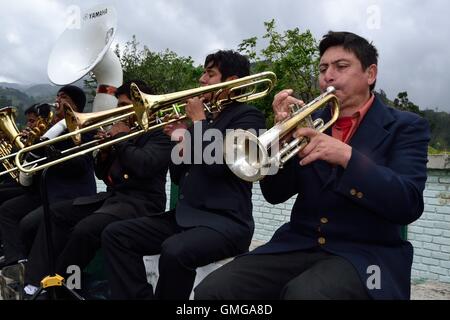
point(32, 109)
point(229, 62)
point(76, 94)
point(366, 52)
point(43, 109)
point(125, 88)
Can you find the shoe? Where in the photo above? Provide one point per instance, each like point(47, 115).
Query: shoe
point(42, 296)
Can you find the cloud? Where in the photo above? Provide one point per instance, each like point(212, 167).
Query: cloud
point(411, 36)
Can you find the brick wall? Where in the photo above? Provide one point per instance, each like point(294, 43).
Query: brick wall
point(430, 235)
point(268, 218)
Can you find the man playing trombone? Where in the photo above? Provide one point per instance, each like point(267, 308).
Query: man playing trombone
point(135, 173)
point(357, 184)
point(213, 217)
point(65, 181)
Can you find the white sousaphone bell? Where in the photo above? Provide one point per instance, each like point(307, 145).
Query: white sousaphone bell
point(86, 48)
point(82, 49)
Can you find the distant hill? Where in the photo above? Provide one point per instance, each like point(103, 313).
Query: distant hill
point(42, 90)
point(16, 86)
point(15, 98)
point(36, 90)
point(22, 96)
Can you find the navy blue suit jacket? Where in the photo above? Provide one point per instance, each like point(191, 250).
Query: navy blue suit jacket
point(357, 212)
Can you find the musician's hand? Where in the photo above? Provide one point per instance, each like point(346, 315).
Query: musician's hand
point(282, 102)
point(195, 109)
point(102, 134)
point(62, 104)
point(119, 127)
point(25, 132)
point(175, 130)
point(323, 147)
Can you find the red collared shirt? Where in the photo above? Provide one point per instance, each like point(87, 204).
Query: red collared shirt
point(344, 128)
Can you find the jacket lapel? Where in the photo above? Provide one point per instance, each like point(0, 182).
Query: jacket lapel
point(366, 139)
point(372, 131)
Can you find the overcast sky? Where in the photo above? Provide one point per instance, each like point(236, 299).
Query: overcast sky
point(412, 36)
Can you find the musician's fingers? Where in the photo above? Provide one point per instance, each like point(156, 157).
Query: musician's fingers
point(280, 97)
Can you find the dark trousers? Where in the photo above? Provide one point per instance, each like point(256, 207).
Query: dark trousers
point(181, 252)
point(9, 190)
point(301, 275)
point(29, 226)
point(12, 212)
point(76, 234)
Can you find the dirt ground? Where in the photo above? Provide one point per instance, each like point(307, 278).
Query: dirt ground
point(430, 290)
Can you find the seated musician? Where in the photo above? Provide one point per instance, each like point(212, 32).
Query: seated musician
point(356, 185)
point(65, 181)
point(135, 173)
point(213, 217)
point(9, 186)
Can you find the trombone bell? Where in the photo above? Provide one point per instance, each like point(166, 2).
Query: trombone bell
point(150, 108)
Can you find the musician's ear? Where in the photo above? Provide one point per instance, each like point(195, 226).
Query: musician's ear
point(231, 78)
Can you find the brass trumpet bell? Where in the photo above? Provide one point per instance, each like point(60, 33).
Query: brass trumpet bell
point(252, 158)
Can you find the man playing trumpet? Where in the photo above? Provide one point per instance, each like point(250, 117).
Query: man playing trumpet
point(357, 185)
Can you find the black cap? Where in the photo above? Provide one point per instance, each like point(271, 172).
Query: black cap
point(76, 94)
point(43, 109)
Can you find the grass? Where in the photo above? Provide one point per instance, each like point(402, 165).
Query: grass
point(432, 150)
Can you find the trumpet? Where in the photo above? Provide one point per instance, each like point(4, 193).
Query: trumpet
point(251, 158)
point(150, 112)
point(13, 137)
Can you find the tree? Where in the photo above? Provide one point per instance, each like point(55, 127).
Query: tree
point(383, 96)
point(402, 102)
point(292, 55)
point(440, 131)
point(164, 71)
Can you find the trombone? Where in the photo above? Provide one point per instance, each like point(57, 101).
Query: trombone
point(150, 112)
point(251, 158)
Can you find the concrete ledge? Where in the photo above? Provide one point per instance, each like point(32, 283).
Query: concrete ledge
point(151, 267)
point(438, 161)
